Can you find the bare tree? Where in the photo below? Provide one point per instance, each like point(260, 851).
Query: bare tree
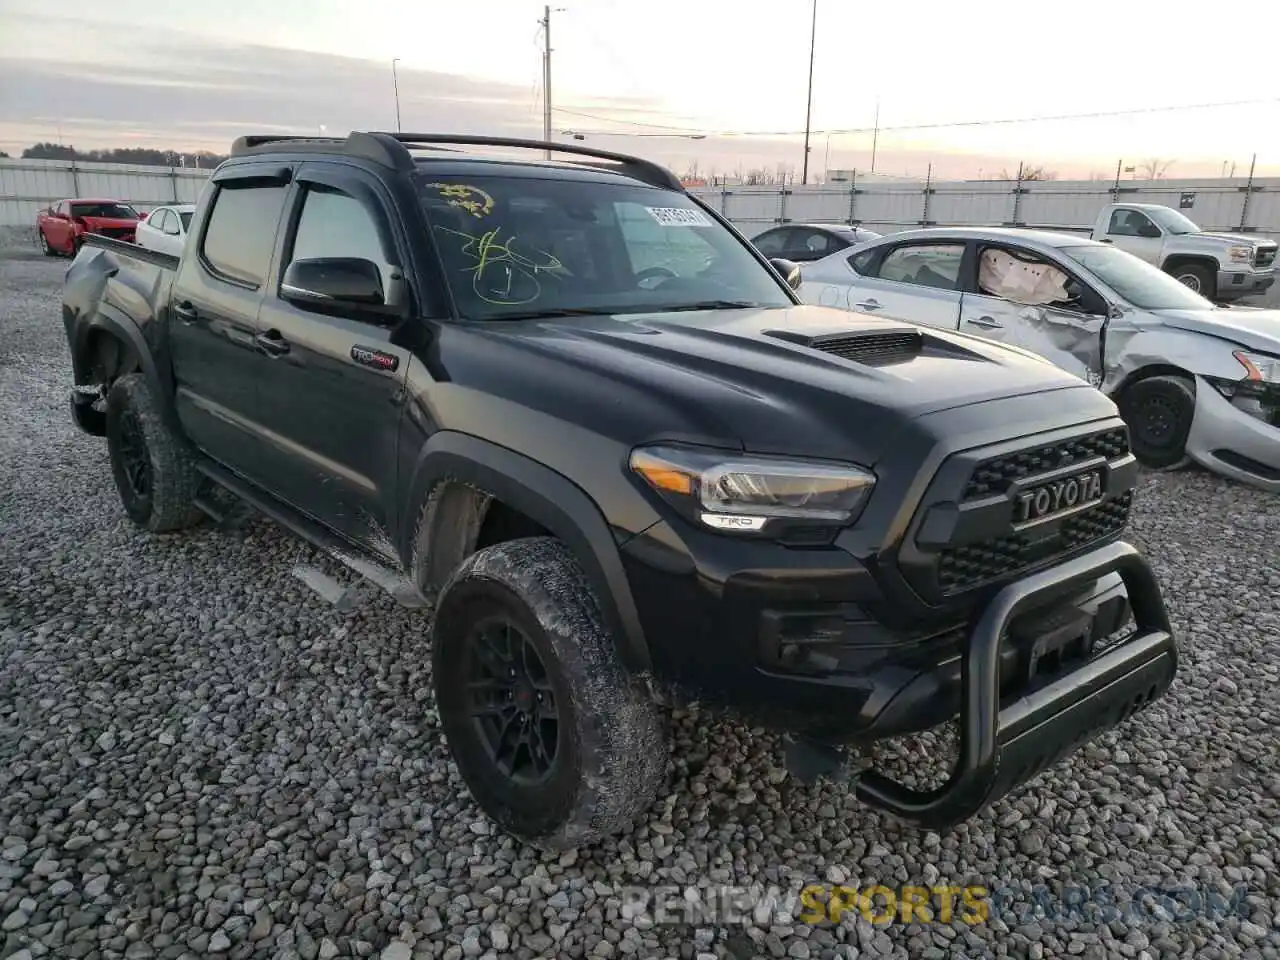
point(1031, 173)
point(1155, 168)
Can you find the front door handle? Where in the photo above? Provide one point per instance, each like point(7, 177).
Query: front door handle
point(868, 304)
point(987, 322)
point(186, 312)
point(271, 343)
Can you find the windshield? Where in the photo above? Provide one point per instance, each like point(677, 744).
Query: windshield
point(111, 211)
point(185, 217)
point(1137, 281)
point(518, 246)
point(1171, 220)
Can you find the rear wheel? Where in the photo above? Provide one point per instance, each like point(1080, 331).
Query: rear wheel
point(1159, 411)
point(556, 741)
point(154, 471)
point(1197, 278)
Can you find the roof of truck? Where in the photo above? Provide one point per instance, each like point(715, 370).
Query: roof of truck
point(404, 152)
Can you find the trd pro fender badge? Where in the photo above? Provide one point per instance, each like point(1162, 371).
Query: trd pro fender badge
point(377, 359)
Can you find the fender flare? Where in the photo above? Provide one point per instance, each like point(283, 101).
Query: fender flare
point(120, 326)
point(553, 501)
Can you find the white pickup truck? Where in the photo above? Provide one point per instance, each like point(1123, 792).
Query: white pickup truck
point(1220, 266)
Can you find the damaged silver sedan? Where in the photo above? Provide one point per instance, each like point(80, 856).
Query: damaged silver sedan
point(1193, 380)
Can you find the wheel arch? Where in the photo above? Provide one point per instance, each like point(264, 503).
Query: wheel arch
point(1148, 371)
point(1178, 260)
point(460, 480)
point(111, 345)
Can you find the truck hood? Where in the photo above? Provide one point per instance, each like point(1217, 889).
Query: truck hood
point(1252, 328)
point(1235, 238)
point(765, 377)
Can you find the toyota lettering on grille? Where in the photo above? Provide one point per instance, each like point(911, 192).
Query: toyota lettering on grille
point(1056, 498)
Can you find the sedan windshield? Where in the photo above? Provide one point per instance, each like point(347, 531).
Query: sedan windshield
point(530, 246)
point(1137, 281)
point(108, 211)
point(1172, 221)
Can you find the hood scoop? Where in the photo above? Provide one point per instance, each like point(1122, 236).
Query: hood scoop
point(877, 347)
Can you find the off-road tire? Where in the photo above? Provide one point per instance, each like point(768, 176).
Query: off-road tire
point(1159, 411)
point(168, 500)
point(611, 744)
point(1198, 278)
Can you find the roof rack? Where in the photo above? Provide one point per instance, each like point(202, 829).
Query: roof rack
point(392, 150)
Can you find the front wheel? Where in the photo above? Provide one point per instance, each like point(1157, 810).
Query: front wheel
point(556, 741)
point(47, 250)
point(1196, 278)
point(155, 472)
point(1159, 411)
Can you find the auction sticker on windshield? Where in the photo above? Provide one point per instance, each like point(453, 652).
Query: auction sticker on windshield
point(679, 217)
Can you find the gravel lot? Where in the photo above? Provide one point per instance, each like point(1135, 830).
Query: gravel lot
point(198, 757)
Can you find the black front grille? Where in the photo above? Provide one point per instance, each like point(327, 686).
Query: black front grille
point(1265, 257)
point(994, 476)
point(874, 349)
point(115, 233)
point(965, 567)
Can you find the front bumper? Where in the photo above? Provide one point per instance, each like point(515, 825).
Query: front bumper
point(1003, 745)
point(1244, 282)
point(1233, 443)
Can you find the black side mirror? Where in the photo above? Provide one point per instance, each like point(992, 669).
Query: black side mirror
point(342, 281)
point(788, 270)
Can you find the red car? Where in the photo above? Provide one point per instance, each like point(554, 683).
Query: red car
point(63, 225)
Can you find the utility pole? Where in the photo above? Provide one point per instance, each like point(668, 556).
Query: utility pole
point(395, 85)
point(808, 110)
point(546, 76)
point(875, 136)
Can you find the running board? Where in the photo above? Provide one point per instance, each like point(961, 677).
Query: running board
point(384, 576)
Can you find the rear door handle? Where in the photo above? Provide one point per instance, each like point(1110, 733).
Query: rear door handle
point(987, 322)
point(868, 304)
point(271, 343)
point(186, 312)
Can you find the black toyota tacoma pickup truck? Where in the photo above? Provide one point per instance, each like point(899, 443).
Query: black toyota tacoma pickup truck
point(573, 409)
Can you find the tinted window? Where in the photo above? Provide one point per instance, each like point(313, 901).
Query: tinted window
point(241, 232)
point(926, 264)
point(814, 244)
point(185, 217)
point(772, 242)
point(514, 246)
point(114, 211)
point(334, 224)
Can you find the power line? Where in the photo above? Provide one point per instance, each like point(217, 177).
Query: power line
point(1006, 121)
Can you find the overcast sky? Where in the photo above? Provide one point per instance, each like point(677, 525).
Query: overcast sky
point(186, 75)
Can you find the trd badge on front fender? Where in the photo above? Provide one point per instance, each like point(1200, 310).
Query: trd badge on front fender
point(1055, 498)
point(377, 359)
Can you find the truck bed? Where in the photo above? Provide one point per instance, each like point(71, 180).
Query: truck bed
point(118, 285)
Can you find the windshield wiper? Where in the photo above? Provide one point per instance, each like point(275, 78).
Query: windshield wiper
point(551, 314)
point(708, 305)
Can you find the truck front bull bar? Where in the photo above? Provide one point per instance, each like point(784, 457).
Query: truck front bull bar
point(1002, 748)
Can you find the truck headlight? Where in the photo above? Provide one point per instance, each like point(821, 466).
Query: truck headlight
point(1240, 254)
point(1259, 367)
point(750, 493)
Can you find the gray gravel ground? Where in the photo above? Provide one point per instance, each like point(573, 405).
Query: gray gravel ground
point(200, 758)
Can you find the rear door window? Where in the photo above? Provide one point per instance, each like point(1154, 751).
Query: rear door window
point(241, 232)
point(924, 264)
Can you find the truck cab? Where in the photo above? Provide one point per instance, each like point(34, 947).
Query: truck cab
point(1220, 266)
